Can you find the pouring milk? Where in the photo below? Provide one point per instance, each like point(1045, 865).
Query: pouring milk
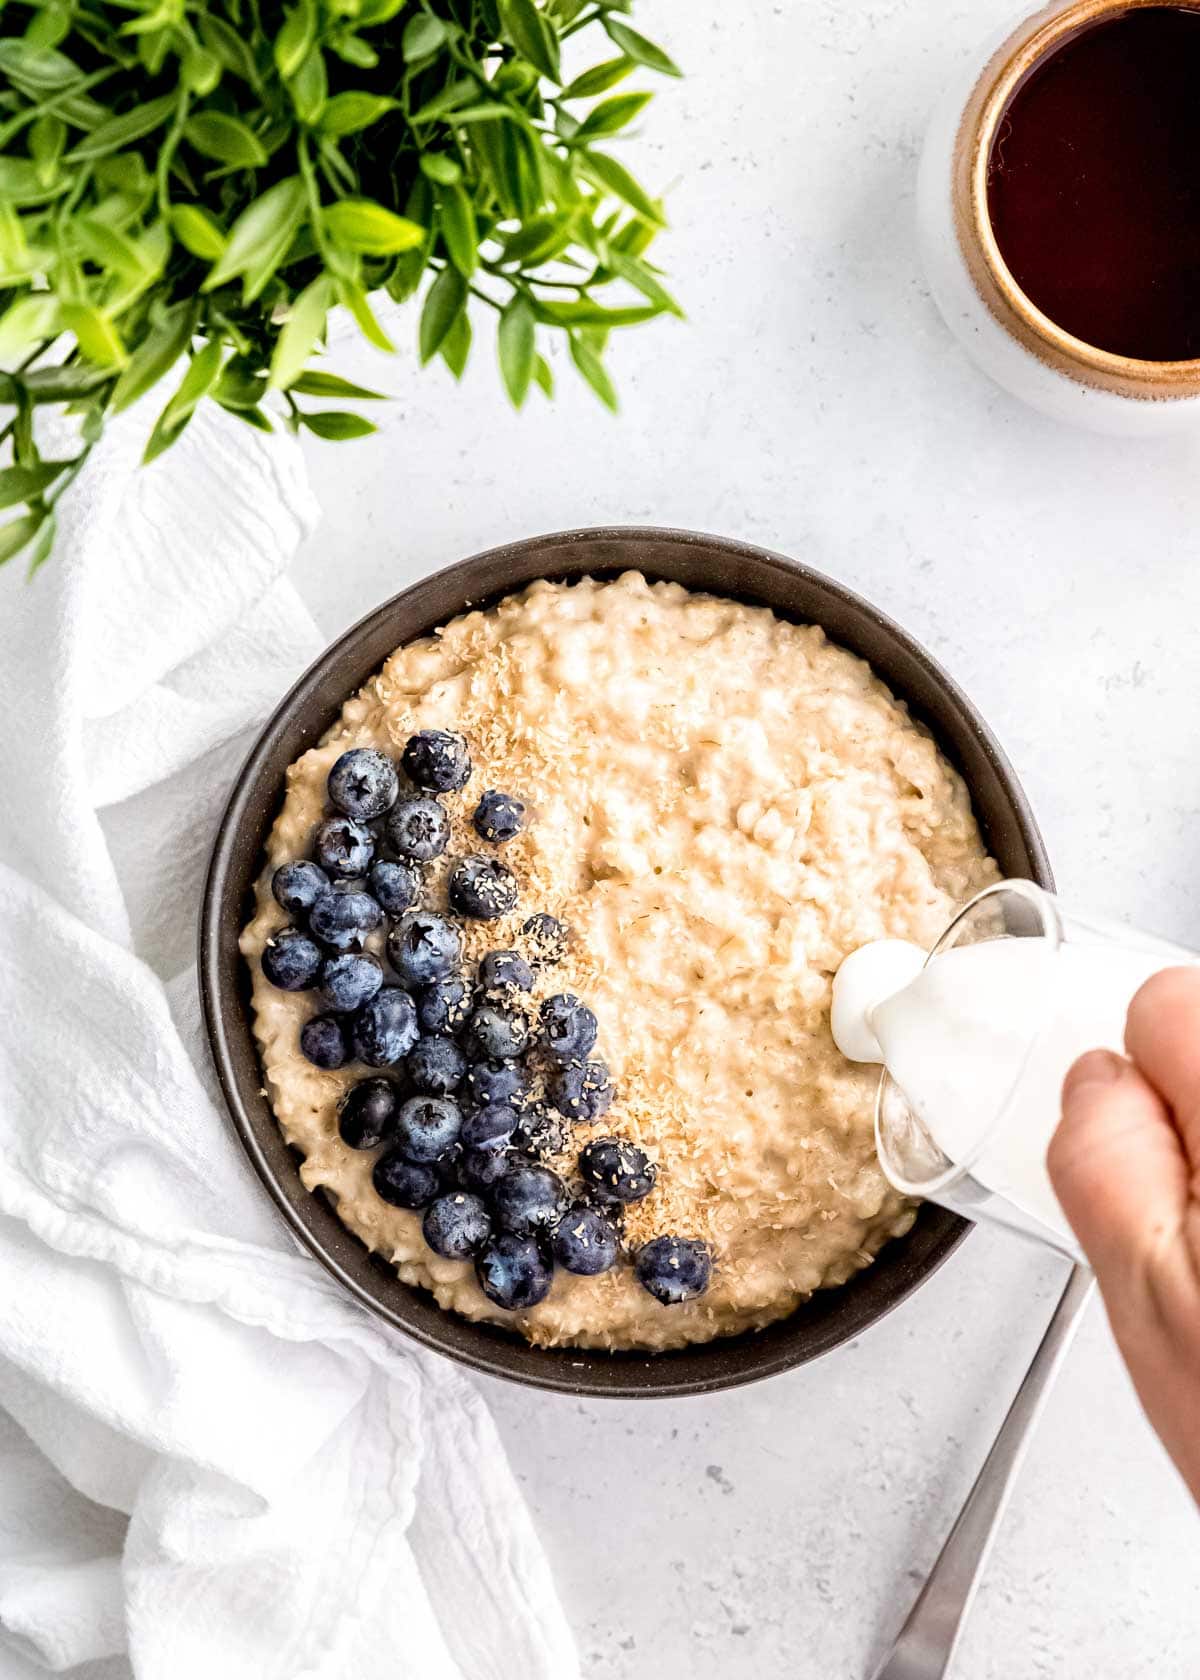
point(978, 1039)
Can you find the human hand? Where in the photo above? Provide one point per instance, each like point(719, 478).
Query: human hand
point(1125, 1164)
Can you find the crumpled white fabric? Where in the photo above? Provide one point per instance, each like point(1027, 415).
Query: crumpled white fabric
point(212, 1464)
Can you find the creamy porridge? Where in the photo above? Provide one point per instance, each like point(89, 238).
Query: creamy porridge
point(721, 805)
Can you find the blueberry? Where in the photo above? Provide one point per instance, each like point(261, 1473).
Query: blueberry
point(363, 783)
point(428, 1127)
point(498, 817)
point(323, 1042)
point(619, 1171)
point(385, 1028)
point(291, 960)
point(497, 1034)
point(569, 1027)
point(489, 1127)
point(396, 887)
point(581, 1090)
point(527, 1199)
point(482, 888)
point(343, 917)
point(437, 759)
point(456, 1225)
point(674, 1269)
point(344, 847)
point(404, 1183)
point(512, 1273)
point(423, 946)
point(539, 1132)
point(497, 1082)
point(585, 1242)
point(418, 828)
point(481, 1167)
point(504, 970)
point(444, 1005)
point(367, 1113)
point(298, 886)
point(436, 1064)
point(349, 981)
point(547, 938)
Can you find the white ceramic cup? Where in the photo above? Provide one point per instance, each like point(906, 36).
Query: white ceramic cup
point(999, 327)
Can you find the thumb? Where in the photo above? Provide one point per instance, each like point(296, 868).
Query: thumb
point(1117, 1167)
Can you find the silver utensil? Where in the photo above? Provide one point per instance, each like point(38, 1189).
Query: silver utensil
point(926, 1643)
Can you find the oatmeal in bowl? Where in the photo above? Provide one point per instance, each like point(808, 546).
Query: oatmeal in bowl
point(542, 947)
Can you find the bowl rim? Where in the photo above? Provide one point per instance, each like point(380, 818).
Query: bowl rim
point(698, 1368)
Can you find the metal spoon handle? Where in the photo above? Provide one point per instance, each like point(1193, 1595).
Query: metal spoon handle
point(925, 1646)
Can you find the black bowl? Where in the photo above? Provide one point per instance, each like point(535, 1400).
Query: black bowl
point(704, 563)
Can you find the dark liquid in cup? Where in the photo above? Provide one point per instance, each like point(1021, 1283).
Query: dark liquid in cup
point(1094, 184)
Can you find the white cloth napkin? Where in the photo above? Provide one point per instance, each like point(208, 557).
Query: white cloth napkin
point(212, 1464)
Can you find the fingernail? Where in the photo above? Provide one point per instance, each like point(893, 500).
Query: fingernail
point(1098, 1067)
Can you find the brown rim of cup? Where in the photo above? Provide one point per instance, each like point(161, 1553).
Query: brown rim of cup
point(1023, 50)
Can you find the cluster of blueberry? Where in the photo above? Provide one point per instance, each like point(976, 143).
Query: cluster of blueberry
point(464, 1129)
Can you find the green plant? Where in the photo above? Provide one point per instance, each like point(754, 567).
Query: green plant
point(210, 178)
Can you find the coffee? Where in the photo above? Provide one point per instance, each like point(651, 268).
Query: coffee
point(1093, 186)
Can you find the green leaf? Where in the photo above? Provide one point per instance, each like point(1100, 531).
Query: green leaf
point(21, 182)
point(40, 551)
point(443, 303)
point(349, 113)
point(517, 347)
point(111, 249)
point(225, 138)
point(225, 44)
point(20, 484)
point(18, 532)
point(61, 384)
point(351, 50)
point(372, 12)
point(538, 240)
point(199, 379)
point(337, 424)
point(47, 138)
point(38, 69)
point(612, 114)
point(484, 114)
point(30, 319)
point(201, 71)
point(456, 219)
point(197, 232)
point(456, 345)
point(157, 354)
point(543, 378)
point(360, 225)
point(422, 37)
point(301, 330)
point(95, 334)
point(533, 36)
point(616, 179)
point(259, 239)
point(309, 88)
point(48, 27)
point(294, 40)
point(241, 385)
point(582, 312)
point(351, 294)
point(449, 99)
point(599, 79)
point(637, 47)
point(641, 276)
point(252, 416)
point(122, 131)
point(313, 383)
point(593, 370)
point(441, 167)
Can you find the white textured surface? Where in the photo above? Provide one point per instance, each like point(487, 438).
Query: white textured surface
point(815, 403)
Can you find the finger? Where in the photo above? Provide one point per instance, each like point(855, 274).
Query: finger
point(1118, 1169)
point(1162, 1034)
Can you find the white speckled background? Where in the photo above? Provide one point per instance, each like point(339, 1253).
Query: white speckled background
point(814, 402)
